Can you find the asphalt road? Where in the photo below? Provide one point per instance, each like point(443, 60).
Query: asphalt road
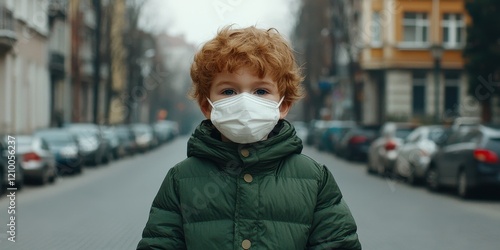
point(107, 207)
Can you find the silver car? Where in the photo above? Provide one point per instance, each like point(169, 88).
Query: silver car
point(37, 161)
point(415, 154)
point(383, 152)
point(144, 136)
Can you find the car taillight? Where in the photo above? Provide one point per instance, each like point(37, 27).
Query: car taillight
point(390, 145)
point(357, 139)
point(486, 156)
point(31, 157)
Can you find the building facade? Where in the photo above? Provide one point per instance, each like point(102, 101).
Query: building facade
point(59, 63)
point(24, 76)
point(405, 78)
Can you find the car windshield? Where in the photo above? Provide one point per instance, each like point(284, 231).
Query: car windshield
point(123, 134)
point(24, 143)
point(82, 132)
point(141, 130)
point(83, 129)
point(57, 138)
point(494, 144)
point(109, 134)
point(366, 132)
point(437, 135)
point(403, 132)
point(24, 140)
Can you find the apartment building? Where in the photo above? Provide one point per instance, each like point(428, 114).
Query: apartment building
point(24, 76)
point(59, 63)
point(412, 60)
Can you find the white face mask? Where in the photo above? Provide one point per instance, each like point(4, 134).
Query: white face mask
point(245, 118)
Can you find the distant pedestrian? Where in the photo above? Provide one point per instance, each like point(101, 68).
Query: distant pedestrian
point(245, 183)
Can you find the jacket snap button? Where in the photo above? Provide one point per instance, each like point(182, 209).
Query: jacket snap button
point(245, 152)
point(246, 244)
point(248, 178)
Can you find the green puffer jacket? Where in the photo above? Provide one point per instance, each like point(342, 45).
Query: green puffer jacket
point(264, 195)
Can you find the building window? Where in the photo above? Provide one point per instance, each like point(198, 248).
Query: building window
point(415, 29)
point(453, 30)
point(451, 95)
point(418, 94)
point(376, 30)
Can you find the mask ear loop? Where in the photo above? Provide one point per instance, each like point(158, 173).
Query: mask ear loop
point(282, 98)
point(211, 104)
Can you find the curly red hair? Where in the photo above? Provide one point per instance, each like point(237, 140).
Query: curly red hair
point(264, 51)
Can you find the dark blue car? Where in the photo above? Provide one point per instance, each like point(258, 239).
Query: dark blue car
point(65, 149)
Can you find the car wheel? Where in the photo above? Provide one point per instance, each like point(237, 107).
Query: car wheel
point(381, 169)
point(349, 155)
point(53, 178)
point(108, 157)
point(463, 188)
point(99, 159)
point(369, 166)
point(19, 184)
point(412, 179)
point(44, 178)
point(432, 179)
point(19, 179)
point(405, 167)
point(78, 169)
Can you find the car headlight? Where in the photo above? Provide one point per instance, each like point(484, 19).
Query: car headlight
point(69, 151)
point(143, 139)
point(86, 146)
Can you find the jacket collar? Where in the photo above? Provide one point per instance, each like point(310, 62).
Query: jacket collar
point(205, 143)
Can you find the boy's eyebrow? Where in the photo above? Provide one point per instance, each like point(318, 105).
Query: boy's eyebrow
point(253, 83)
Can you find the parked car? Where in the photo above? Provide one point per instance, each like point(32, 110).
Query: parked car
point(37, 161)
point(465, 121)
point(94, 148)
point(127, 139)
point(315, 131)
point(117, 149)
point(415, 154)
point(174, 128)
point(64, 146)
point(383, 152)
point(165, 130)
point(6, 160)
point(333, 134)
point(468, 161)
point(144, 136)
point(355, 144)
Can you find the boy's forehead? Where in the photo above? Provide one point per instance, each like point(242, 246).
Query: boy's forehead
point(243, 70)
point(244, 75)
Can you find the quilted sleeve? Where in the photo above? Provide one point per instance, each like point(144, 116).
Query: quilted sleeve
point(333, 226)
point(164, 227)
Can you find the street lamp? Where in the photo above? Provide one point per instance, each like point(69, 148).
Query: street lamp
point(437, 54)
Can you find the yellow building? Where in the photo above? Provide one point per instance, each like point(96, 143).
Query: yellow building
point(400, 68)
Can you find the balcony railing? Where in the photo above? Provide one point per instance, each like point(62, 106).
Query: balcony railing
point(7, 31)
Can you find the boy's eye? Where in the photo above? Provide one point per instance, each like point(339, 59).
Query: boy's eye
point(261, 92)
point(228, 92)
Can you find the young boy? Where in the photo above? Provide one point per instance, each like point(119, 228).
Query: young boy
point(245, 183)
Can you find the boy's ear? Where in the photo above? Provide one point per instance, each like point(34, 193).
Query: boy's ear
point(205, 108)
point(284, 108)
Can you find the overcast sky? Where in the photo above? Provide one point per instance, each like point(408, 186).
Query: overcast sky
point(199, 20)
